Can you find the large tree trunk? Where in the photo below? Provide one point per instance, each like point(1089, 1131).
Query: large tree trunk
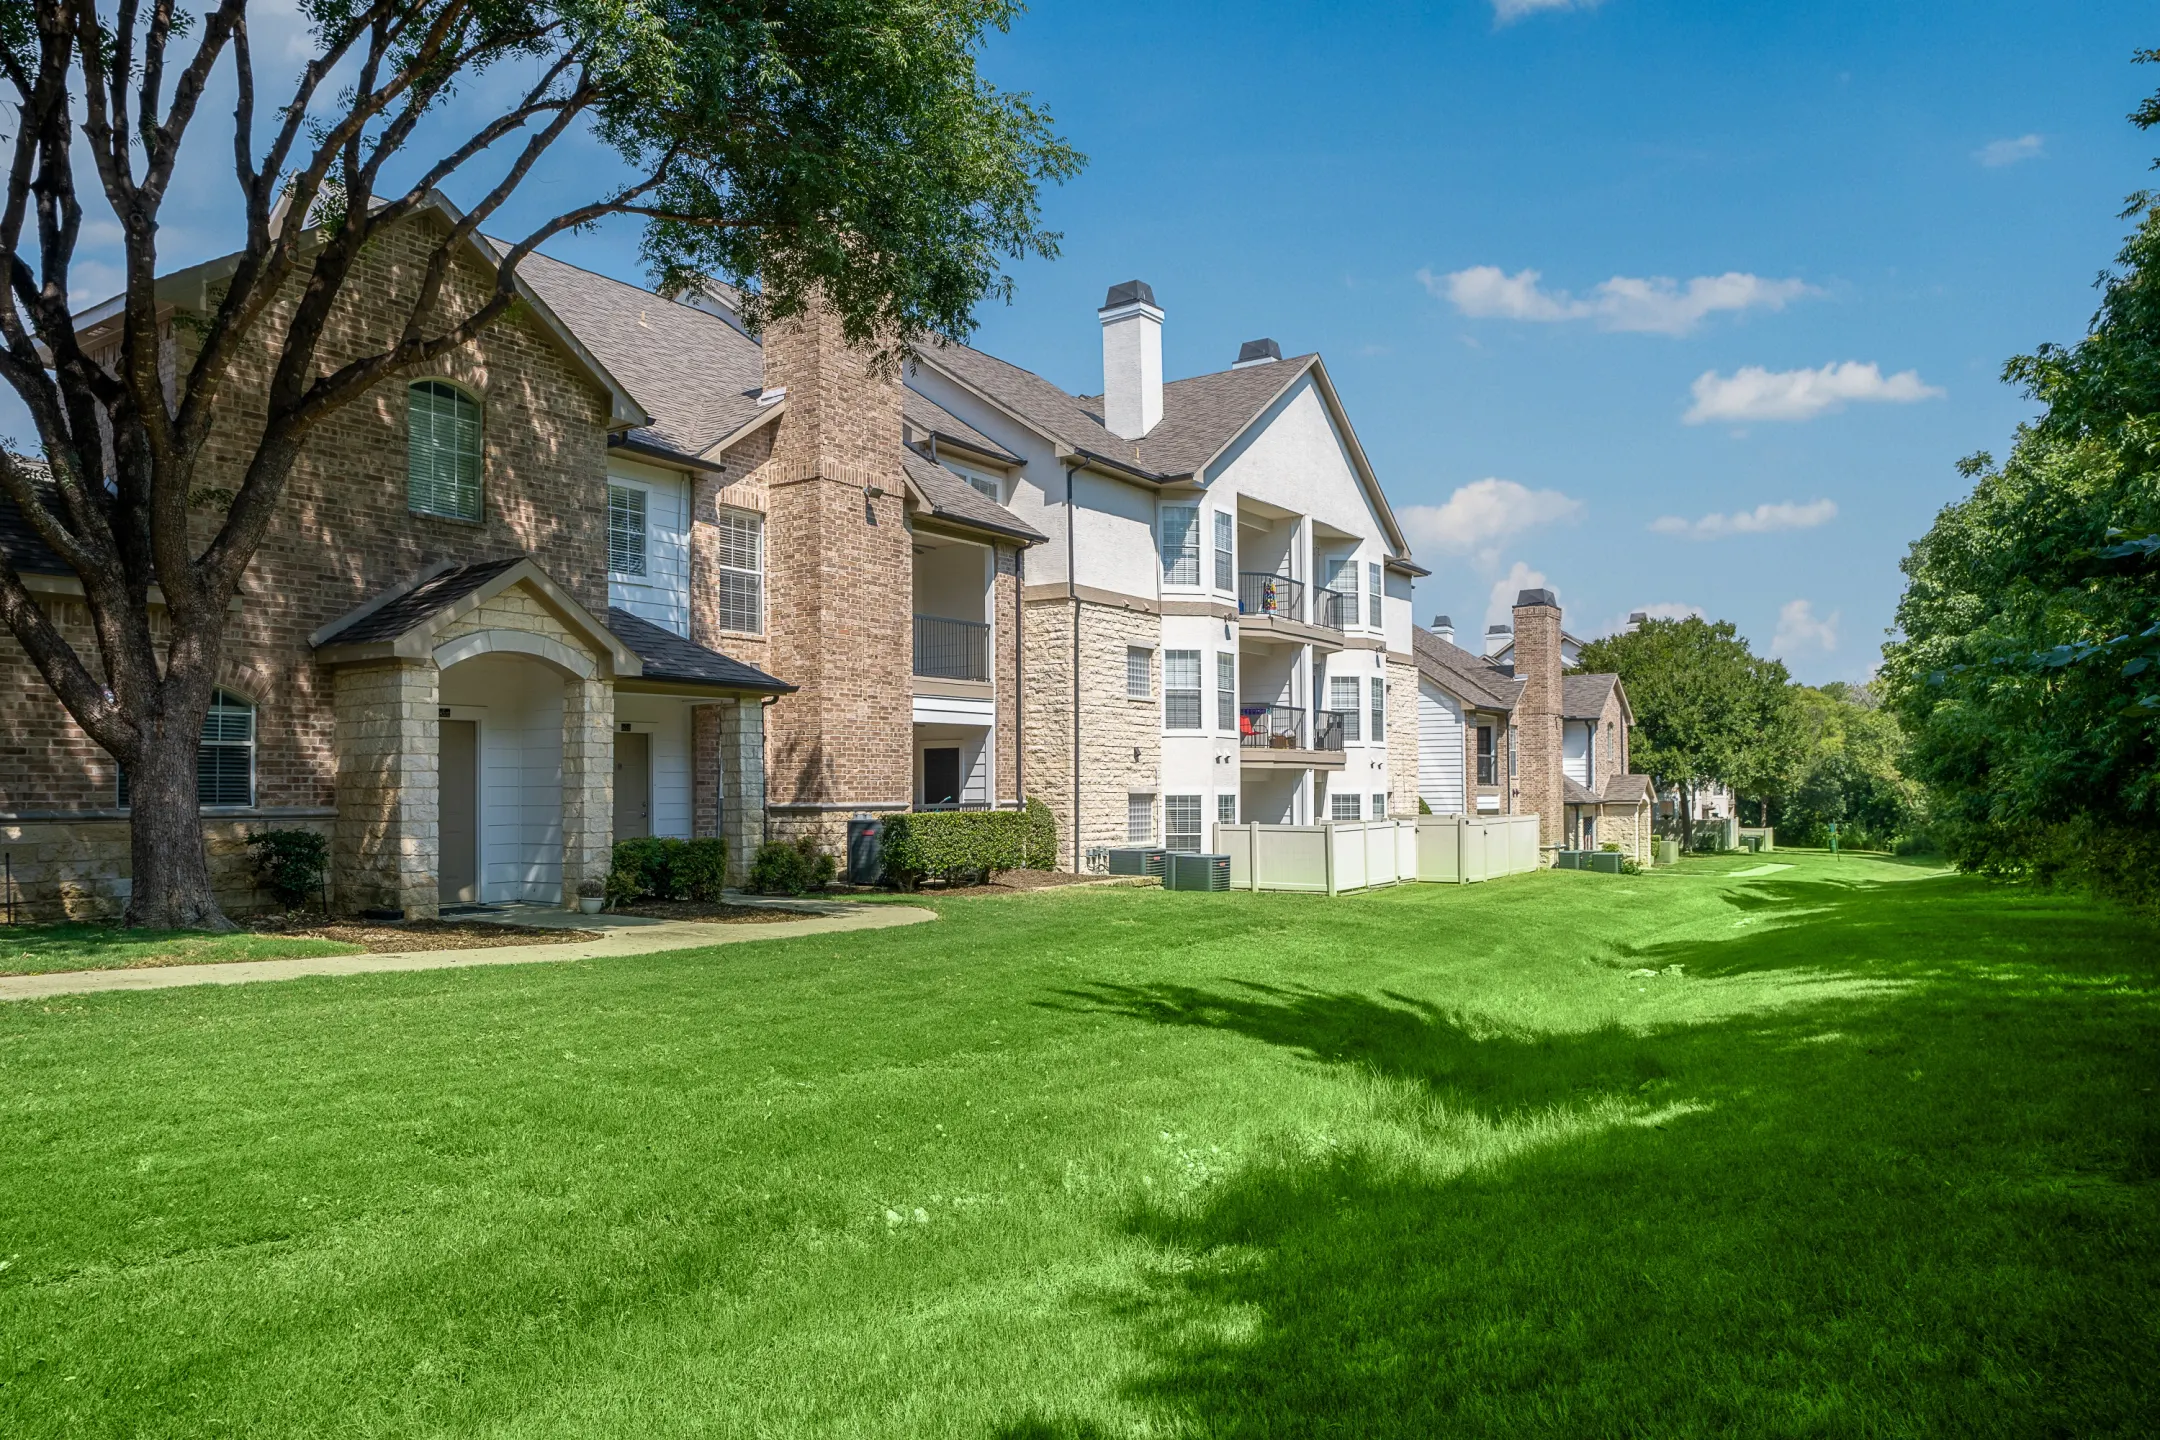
point(1687, 818)
point(165, 841)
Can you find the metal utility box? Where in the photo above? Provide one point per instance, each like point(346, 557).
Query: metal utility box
point(1138, 860)
point(865, 850)
point(1569, 860)
point(1198, 872)
point(1605, 862)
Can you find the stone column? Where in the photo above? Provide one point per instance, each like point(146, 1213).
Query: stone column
point(588, 782)
point(385, 845)
point(742, 783)
point(1537, 719)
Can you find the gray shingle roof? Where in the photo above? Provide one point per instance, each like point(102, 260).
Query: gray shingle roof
point(1627, 789)
point(1582, 697)
point(1467, 676)
point(389, 621)
point(952, 498)
point(930, 418)
point(1572, 792)
point(20, 545)
point(697, 376)
point(669, 656)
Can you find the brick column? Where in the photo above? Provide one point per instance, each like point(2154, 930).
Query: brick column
point(588, 783)
point(385, 846)
point(741, 747)
point(1537, 713)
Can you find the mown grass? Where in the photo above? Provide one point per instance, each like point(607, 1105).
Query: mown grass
point(41, 949)
point(1872, 1153)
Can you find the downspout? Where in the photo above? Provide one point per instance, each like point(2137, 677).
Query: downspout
point(1072, 588)
point(1019, 721)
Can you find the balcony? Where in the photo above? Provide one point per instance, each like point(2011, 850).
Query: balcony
point(1271, 609)
point(951, 649)
point(1333, 610)
point(1274, 737)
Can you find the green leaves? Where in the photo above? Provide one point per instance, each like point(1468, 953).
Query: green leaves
point(1706, 707)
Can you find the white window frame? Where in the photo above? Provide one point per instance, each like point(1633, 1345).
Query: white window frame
point(1226, 808)
point(1181, 566)
point(1338, 686)
point(230, 724)
point(1182, 703)
point(462, 497)
point(1376, 691)
point(749, 581)
point(1342, 807)
point(1176, 837)
point(1140, 817)
point(618, 495)
point(1225, 550)
point(1376, 597)
point(1379, 805)
point(1226, 706)
point(1139, 673)
point(982, 481)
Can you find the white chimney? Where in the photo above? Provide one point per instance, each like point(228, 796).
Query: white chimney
point(1498, 638)
point(1444, 628)
point(1131, 360)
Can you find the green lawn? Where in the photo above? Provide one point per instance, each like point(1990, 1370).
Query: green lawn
point(37, 949)
point(1874, 1152)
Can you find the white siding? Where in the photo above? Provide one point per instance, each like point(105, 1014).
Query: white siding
point(662, 593)
point(667, 720)
point(1575, 752)
point(1440, 750)
point(520, 774)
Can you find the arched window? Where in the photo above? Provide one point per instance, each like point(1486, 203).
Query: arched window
point(442, 457)
point(224, 757)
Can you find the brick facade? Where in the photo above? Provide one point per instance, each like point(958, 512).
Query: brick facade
point(1120, 737)
point(1539, 666)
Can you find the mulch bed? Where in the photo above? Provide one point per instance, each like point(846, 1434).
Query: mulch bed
point(381, 939)
point(1014, 882)
point(705, 913)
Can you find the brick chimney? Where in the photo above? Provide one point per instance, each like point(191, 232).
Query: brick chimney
point(1537, 712)
point(839, 585)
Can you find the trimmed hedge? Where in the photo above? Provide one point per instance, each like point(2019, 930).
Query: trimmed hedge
point(968, 844)
point(658, 867)
point(290, 864)
point(784, 869)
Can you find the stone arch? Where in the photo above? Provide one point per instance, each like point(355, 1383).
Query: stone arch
point(546, 649)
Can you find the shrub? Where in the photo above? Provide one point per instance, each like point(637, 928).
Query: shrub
point(784, 869)
point(290, 864)
point(968, 844)
point(660, 867)
point(1422, 807)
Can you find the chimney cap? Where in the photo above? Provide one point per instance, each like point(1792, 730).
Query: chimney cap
point(1257, 352)
point(1536, 597)
point(1442, 622)
point(1128, 293)
point(1637, 617)
point(1499, 629)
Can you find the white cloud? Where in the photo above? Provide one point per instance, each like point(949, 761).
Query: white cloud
point(1507, 12)
point(1654, 304)
point(1753, 393)
point(1500, 606)
point(1760, 521)
point(1478, 516)
point(1998, 153)
point(1798, 629)
point(1661, 610)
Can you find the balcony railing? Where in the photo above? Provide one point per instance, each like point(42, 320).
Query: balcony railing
point(1333, 610)
point(1276, 595)
point(1327, 729)
point(951, 649)
point(1271, 727)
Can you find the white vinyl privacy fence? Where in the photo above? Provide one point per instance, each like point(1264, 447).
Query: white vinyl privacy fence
point(1356, 855)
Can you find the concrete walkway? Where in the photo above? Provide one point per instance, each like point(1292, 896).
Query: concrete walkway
point(621, 935)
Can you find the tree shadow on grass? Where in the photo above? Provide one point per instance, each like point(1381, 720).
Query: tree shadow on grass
point(1925, 1206)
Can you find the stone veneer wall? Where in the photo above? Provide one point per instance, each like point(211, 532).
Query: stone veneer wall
point(1402, 737)
point(385, 841)
point(588, 783)
point(1120, 738)
point(1005, 777)
point(78, 869)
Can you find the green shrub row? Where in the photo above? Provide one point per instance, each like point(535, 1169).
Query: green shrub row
point(968, 844)
point(658, 867)
point(780, 868)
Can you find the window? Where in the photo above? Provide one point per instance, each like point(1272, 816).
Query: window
point(1341, 582)
point(1139, 682)
point(1225, 550)
point(1485, 773)
point(1181, 544)
point(1343, 700)
point(442, 451)
point(1226, 809)
point(1612, 749)
point(1589, 759)
point(742, 571)
point(982, 481)
point(1379, 710)
point(1225, 691)
point(1140, 818)
point(1511, 752)
point(1373, 596)
point(1379, 807)
point(1181, 690)
point(1343, 807)
point(1181, 823)
point(225, 756)
point(625, 530)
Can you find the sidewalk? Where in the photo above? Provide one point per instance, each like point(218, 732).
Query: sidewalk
point(622, 935)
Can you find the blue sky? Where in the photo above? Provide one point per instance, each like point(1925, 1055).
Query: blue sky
point(1780, 253)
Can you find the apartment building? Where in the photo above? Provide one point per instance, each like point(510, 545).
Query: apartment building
point(1217, 625)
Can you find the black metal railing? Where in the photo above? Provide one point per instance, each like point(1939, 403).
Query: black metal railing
point(952, 649)
point(1333, 610)
point(1276, 595)
point(1271, 727)
point(1327, 729)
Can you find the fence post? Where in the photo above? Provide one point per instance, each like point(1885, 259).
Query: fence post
point(1327, 855)
point(1252, 850)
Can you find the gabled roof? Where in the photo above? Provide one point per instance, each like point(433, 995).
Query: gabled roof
point(1627, 790)
point(20, 544)
point(926, 416)
point(403, 620)
point(669, 657)
point(1574, 792)
point(1582, 697)
point(1470, 678)
point(950, 498)
point(697, 376)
